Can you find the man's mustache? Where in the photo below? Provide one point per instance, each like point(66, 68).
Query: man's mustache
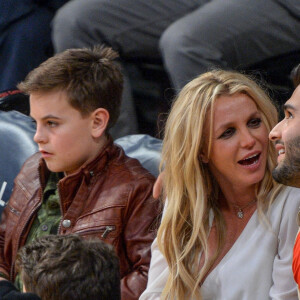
point(279, 142)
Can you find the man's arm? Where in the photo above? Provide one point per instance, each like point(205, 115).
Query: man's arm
point(284, 286)
point(158, 186)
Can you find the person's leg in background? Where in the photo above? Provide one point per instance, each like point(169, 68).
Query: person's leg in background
point(227, 34)
point(24, 44)
point(132, 27)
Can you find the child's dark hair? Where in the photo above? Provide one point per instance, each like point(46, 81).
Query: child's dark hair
point(69, 268)
point(91, 79)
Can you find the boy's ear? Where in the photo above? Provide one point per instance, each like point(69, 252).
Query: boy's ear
point(100, 118)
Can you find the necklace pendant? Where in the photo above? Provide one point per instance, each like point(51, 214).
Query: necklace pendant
point(240, 214)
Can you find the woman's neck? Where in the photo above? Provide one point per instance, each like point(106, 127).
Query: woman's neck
point(237, 197)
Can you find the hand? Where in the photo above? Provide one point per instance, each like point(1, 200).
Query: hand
point(158, 185)
point(2, 278)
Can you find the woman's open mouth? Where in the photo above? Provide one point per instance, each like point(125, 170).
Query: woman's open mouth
point(251, 160)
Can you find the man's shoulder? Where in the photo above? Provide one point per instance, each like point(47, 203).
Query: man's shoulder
point(289, 196)
point(285, 206)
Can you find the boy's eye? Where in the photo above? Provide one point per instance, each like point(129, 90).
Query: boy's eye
point(254, 123)
point(227, 133)
point(51, 124)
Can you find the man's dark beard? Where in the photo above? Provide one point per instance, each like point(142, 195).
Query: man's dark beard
point(288, 171)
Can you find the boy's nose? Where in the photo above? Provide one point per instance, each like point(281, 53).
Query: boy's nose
point(39, 137)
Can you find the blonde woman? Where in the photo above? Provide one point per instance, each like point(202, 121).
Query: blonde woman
point(228, 228)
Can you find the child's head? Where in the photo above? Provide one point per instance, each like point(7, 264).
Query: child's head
point(90, 78)
point(67, 267)
point(75, 97)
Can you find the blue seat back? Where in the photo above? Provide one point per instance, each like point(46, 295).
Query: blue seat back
point(145, 148)
point(16, 145)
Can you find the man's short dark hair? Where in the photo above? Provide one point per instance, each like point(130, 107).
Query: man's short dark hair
point(67, 267)
point(91, 79)
point(295, 75)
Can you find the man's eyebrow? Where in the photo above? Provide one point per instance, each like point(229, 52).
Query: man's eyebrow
point(288, 106)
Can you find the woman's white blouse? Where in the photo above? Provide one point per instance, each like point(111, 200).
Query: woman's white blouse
point(257, 267)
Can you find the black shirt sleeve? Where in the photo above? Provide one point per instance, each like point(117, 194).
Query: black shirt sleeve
point(9, 292)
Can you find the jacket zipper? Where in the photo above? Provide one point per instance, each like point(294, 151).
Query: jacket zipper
point(61, 212)
point(106, 230)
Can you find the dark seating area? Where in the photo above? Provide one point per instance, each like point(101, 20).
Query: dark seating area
point(276, 73)
point(14, 100)
point(153, 92)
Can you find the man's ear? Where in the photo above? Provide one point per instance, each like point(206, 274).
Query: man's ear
point(100, 118)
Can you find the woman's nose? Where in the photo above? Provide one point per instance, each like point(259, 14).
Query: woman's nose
point(247, 139)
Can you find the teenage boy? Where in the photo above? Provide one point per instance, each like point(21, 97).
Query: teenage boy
point(80, 181)
point(59, 267)
point(286, 135)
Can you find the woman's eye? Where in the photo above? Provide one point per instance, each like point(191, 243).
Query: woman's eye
point(227, 133)
point(254, 123)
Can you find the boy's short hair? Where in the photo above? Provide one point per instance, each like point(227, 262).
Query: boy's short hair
point(67, 267)
point(91, 79)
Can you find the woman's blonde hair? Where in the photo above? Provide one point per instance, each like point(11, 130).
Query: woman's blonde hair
point(189, 186)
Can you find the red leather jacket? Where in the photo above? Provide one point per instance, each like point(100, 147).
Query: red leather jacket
point(110, 198)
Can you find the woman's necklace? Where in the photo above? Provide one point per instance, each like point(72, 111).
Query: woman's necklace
point(240, 210)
